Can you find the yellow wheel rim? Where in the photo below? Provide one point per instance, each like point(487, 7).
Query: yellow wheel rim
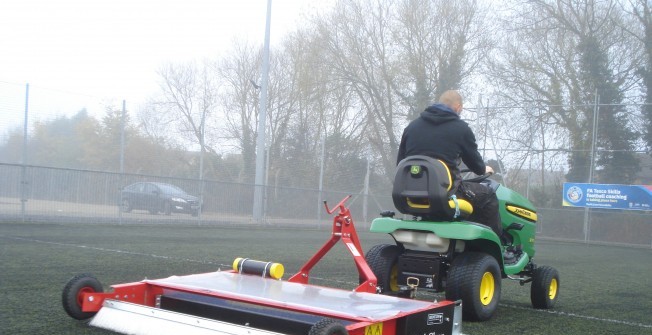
point(487, 288)
point(552, 290)
point(393, 279)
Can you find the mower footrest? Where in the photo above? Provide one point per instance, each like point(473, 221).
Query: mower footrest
point(128, 318)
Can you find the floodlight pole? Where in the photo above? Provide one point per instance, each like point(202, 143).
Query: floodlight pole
point(262, 116)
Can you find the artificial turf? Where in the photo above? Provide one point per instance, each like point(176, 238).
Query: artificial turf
point(603, 289)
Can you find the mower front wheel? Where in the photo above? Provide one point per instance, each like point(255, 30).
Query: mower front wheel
point(73, 295)
point(475, 279)
point(383, 261)
point(545, 287)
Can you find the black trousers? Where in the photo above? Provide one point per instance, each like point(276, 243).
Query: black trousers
point(485, 205)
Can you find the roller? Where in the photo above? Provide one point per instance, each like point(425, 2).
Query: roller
point(253, 267)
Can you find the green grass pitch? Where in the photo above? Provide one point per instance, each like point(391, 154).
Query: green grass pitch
point(603, 289)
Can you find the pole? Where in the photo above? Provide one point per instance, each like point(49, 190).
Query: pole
point(366, 193)
point(23, 172)
point(587, 222)
point(122, 155)
point(486, 127)
point(262, 116)
point(321, 181)
point(122, 136)
point(266, 178)
point(202, 148)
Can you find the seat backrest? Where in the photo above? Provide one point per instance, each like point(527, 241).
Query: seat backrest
point(422, 187)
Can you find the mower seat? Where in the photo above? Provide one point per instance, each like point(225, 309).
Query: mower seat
point(422, 187)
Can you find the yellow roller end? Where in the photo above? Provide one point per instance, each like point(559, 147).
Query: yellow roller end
point(276, 270)
point(235, 264)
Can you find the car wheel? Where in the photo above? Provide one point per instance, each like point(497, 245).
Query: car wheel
point(475, 279)
point(73, 293)
point(383, 261)
point(545, 287)
point(125, 206)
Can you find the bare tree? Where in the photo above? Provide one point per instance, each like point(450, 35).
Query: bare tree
point(309, 105)
point(188, 99)
point(239, 72)
point(441, 43)
point(569, 54)
point(641, 10)
point(395, 57)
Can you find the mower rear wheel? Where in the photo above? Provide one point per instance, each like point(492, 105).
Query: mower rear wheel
point(545, 287)
point(475, 279)
point(383, 261)
point(328, 327)
point(73, 294)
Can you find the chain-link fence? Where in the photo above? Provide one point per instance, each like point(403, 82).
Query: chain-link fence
point(33, 194)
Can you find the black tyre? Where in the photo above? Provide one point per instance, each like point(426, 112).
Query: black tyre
point(167, 208)
point(475, 279)
point(545, 287)
point(328, 327)
point(73, 294)
point(383, 261)
point(125, 206)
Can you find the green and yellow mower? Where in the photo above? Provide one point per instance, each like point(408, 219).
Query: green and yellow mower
point(438, 250)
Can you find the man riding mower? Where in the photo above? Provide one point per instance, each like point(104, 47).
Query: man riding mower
point(438, 250)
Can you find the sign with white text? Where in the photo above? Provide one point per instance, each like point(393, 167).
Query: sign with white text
point(609, 196)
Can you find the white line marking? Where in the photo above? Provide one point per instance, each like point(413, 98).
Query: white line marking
point(628, 323)
point(117, 251)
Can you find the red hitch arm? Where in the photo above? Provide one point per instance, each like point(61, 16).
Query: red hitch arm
point(344, 229)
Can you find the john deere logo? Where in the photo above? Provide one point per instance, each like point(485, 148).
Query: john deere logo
point(415, 169)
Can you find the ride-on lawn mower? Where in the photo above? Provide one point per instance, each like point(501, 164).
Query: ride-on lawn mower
point(438, 251)
point(251, 299)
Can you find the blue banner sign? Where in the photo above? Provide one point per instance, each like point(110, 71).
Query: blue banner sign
point(609, 196)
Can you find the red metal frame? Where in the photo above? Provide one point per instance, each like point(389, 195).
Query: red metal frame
point(344, 229)
point(146, 292)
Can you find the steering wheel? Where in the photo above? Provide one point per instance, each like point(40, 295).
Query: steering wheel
point(476, 179)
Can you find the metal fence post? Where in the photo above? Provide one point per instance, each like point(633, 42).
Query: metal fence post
point(23, 181)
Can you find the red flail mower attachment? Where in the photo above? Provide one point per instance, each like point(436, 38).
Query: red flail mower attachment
point(252, 299)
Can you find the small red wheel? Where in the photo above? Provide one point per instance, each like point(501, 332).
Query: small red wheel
point(73, 295)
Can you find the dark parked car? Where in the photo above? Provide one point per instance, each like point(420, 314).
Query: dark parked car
point(158, 197)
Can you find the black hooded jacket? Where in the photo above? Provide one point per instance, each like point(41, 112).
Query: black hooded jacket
point(440, 133)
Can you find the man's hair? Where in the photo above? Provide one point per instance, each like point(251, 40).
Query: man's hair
point(450, 98)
